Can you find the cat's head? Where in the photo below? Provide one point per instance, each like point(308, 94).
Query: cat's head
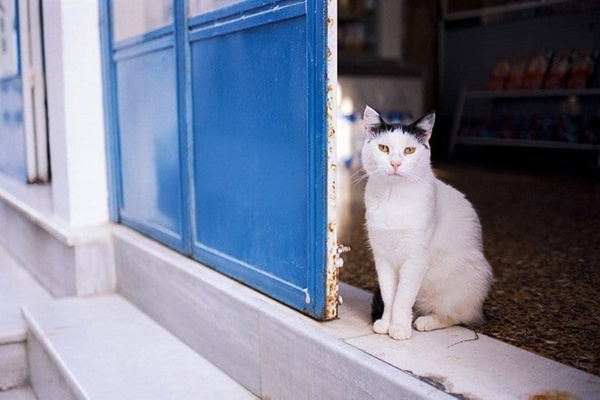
point(395, 150)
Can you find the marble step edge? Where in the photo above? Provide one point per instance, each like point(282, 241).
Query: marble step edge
point(36, 331)
point(66, 329)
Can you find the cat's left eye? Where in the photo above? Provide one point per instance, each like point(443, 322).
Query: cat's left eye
point(409, 150)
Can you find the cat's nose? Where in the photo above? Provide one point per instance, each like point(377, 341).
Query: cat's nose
point(395, 164)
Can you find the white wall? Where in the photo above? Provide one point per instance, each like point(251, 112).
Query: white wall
point(75, 111)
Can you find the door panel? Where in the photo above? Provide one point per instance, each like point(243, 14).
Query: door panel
point(260, 140)
point(149, 142)
point(250, 151)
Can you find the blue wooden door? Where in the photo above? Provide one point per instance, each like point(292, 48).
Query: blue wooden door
point(220, 139)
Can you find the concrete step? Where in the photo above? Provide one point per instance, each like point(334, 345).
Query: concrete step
point(13, 363)
point(105, 348)
point(17, 288)
point(21, 393)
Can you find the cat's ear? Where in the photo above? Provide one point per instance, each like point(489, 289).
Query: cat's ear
point(424, 126)
point(372, 121)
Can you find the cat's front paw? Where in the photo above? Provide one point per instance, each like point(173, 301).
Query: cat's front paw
point(432, 322)
point(400, 332)
point(381, 326)
point(426, 323)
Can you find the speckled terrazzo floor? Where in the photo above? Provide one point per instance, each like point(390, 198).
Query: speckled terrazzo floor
point(542, 238)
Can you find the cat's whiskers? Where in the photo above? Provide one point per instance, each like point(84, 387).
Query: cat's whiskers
point(358, 177)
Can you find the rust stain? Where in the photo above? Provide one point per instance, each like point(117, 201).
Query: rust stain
point(331, 227)
point(553, 395)
point(333, 260)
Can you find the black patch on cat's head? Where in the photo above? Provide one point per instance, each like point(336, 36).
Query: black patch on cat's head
point(421, 129)
point(374, 124)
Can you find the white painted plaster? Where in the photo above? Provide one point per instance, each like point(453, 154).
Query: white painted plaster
point(75, 111)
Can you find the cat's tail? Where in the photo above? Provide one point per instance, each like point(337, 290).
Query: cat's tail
point(376, 305)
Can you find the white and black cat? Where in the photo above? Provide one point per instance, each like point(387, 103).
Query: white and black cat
point(425, 235)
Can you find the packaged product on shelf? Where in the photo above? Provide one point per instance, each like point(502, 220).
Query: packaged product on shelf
point(469, 127)
point(559, 69)
point(505, 128)
point(486, 128)
point(541, 127)
point(548, 122)
point(573, 128)
point(595, 78)
point(521, 125)
point(591, 129)
point(582, 69)
point(517, 74)
point(536, 70)
point(558, 128)
point(535, 129)
point(499, 74)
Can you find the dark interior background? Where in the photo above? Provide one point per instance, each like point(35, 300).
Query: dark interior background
point(539, 202)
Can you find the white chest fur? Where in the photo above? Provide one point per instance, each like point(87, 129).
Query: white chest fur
point(399, 218)
point(399, 207)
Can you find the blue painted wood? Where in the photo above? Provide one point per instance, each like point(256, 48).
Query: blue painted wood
point(110, 111)
point(252, 17)
point(259, 155)
point(250, 150)
point(236, 11)
point(152, 199)
point(12, 129)
point(151, 36)
point(182, 66)
point(316, 67)
point(160, 43)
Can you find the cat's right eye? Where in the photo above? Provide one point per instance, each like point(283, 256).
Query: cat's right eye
point(384, 149)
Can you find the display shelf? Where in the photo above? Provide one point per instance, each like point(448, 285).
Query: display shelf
point(547, 144)
point(508, 94)
point(500, 127)
point(484, 12)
